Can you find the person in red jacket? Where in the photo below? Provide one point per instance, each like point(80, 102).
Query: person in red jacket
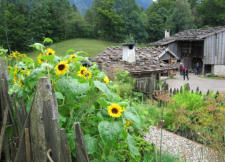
point(185, 72)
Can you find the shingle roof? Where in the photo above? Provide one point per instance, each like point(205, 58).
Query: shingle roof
point(191, 34)
point(146, 60)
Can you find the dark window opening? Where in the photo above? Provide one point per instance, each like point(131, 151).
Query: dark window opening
point(208, 69)
point(166, 61)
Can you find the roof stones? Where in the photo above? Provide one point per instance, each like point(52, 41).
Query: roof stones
point(146, 60)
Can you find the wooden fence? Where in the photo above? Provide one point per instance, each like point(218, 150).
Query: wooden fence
point(36, 135)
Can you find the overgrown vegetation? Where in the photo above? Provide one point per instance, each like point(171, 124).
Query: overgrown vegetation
point(198, 117)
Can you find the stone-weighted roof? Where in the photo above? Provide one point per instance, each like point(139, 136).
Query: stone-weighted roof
point(146, 60)
point(191, 34)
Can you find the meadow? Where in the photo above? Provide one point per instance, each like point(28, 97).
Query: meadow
point(91, 46)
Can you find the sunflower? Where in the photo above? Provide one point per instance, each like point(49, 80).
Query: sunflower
point(61, 68)
point(87, 74)
point(39, 59)
point(50, 52)
point(72, 57)
point(20, 83)
point(106, 80)
point(82, 71)
point(114, 110)
point(128, 122)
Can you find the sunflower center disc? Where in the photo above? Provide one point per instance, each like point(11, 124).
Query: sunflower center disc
point(114, 111)
point(61, 67)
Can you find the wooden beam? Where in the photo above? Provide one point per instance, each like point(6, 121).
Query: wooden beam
point(27, 141)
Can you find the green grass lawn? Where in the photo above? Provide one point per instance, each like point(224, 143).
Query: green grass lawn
point(91, 46)
point(213, 77)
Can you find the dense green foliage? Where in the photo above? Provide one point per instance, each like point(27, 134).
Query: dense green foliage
point(24, 22)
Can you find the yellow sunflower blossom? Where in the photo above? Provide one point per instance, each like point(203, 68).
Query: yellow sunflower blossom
point(81, 72)
point(50, 52)
point(27, 72)
point(14, 74)
point(20, 83)
point(61, 68)
point(9, 67)
point(87, 74)
point(15, 70)
point(115, 110)
point(106, 80)
point(128, 122)
point(39, 59)
point(72, 56)
point(16, 55)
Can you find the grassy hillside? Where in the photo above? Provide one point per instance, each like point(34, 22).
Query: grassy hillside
point(91, 46)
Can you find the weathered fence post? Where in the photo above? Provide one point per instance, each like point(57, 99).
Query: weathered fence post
point(44, 124)
point(197, 89)
point(65, 148)
point(81, 152)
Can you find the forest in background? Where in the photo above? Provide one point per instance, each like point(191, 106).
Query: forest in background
point(23, 22)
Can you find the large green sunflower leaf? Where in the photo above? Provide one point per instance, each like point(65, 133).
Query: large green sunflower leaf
point(132, 147)
point(103, 88)
point(71, 87)
point(109, 131)
point(91, 144)
point(134, 118)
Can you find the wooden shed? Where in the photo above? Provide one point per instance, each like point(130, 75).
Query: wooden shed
point(142, 63)
point(205, 46)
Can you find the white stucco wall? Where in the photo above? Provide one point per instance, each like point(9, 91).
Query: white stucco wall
point(129, 54)
point(219, 70)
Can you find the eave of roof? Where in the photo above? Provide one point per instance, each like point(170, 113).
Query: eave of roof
point(190, 35)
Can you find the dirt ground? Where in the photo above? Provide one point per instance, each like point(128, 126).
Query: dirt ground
point(204, 84)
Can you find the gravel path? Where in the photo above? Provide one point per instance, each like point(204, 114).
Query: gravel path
point(180, 146)
point(195, 81)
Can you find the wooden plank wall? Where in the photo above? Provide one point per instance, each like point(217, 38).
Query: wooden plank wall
point(214, 49)
point(146, 84)
point(174, 48)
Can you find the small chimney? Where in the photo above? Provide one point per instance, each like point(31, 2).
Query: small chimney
point(167, 33)
point(129, 52)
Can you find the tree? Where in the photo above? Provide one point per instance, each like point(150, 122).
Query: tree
point(104, 20)
point(135, 21)
point(15, 28)
point(158, 14)
point(181, 17)
point(212, 12)
point(156, 27)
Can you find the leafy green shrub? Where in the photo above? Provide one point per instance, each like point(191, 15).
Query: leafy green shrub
point(198, 117)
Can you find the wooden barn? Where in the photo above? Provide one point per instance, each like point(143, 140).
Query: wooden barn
point(142, 63)
point(205, 46)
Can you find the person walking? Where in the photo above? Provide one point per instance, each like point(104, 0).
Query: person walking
point(197, 67)
point(185, 72)
point(181, 68)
